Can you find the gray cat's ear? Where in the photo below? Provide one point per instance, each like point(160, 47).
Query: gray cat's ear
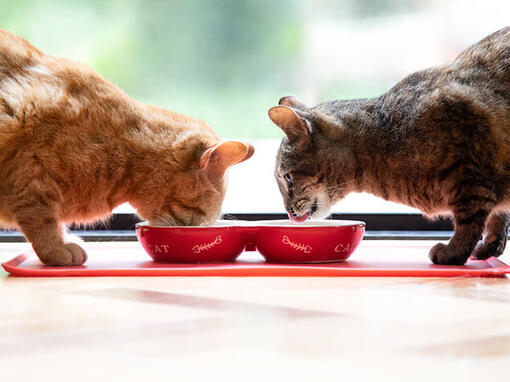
point(218, 158)
point(295, 126)
point(292, 102)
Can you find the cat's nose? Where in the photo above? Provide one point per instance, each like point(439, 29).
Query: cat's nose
point(291, 212)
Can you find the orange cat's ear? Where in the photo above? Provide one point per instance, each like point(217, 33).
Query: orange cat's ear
point(295, 127)
point(218, 158)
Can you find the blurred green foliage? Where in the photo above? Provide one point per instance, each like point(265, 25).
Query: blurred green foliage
point(223, 61)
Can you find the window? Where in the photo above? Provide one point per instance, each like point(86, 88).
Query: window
point(228, 62)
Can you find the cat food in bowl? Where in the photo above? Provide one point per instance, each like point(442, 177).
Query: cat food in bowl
point(217, 243)
point(281, 241)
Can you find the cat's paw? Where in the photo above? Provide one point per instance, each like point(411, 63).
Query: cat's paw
point(445, 255)
point(491, 246)
point(65, 255)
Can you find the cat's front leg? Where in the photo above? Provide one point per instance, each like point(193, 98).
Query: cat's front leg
point(45, 234)
point(494, 237)
point(468, 230)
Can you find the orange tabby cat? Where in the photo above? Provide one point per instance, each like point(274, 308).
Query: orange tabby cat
point(73, 146)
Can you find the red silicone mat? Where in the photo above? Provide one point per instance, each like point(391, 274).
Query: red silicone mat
point(393, 261)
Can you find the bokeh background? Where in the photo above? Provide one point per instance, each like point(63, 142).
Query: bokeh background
point(227, 61)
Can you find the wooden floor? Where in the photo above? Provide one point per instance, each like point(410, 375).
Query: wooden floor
point(254, 329)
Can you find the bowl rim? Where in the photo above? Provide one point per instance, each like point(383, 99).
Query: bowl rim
point(282, 223)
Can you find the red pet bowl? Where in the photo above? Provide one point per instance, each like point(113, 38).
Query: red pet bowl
point(218, 243)
point(318, 241)
point(277, 240)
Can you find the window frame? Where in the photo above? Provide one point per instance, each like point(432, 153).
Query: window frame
point(379, 226)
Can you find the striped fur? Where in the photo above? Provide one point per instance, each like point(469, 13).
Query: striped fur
point(439, 141)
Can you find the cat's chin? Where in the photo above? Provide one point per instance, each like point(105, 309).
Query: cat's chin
point(320, 214)
point(322, 207)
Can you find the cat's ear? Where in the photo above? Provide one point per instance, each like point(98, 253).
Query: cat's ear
point(218, 158)
point(295, 126)
point(292, 102)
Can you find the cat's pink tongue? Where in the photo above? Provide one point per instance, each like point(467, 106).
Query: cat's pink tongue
point(299, 219)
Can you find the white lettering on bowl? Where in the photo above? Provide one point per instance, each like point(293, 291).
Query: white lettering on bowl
point(205, 247)
point(342, 248)
point(297, 246)
point(161, 248)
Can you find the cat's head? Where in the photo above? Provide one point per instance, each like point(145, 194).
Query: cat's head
point(303, 168)
point(189, 189)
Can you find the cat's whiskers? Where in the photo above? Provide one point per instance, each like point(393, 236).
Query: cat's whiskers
point(343, 188)
point(166, 219)
point(317, 190)
point(348, 183)
point(228, 217)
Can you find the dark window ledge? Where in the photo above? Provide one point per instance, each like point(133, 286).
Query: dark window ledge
point(379, 227)
point(375, 222)
point(130, 235)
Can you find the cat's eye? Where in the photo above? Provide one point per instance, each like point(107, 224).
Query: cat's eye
point(288, 178)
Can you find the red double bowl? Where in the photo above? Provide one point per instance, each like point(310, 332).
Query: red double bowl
point(278, 241)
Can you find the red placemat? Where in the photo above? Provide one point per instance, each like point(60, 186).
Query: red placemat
point(394, 261)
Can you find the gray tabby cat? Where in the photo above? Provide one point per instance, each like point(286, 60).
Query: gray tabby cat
point(438, 141)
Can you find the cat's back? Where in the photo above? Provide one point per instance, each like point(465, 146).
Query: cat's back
point(42, 94)
point(480, 77)
point(17, 59)
point(488, 60)
point(473, 90)
point(16, 53)
point(474, 85)
point(30, 79)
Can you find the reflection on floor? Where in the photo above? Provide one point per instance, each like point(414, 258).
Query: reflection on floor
point(348, 329)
